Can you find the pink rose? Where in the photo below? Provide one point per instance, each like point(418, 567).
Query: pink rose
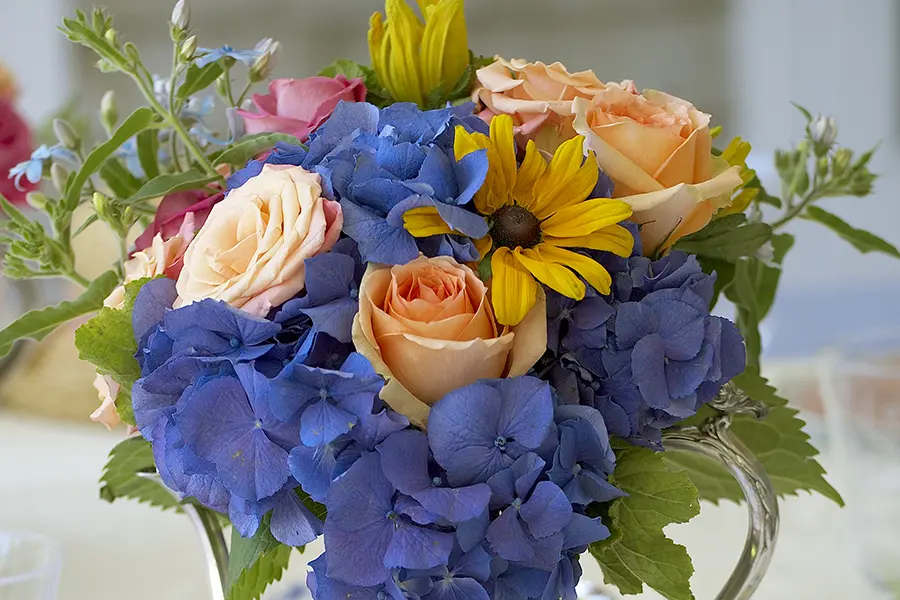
point(171, 213)
point(298, 106)
point(537, 96)
point(15, 147)
point(428, 328)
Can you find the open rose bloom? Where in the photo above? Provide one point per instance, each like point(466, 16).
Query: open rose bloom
point(429, 328)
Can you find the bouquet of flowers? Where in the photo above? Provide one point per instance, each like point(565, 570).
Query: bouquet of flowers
point(440, 310)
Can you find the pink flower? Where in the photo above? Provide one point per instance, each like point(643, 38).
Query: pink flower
point(298, 106)
point(15, 147)
point(172, 212)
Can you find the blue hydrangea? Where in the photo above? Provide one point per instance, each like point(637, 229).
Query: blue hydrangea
point(382, 163)
point(659, 358)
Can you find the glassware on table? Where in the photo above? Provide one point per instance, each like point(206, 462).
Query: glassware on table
point(860, 383)
point(30, 567)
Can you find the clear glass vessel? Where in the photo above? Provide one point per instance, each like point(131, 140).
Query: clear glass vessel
point(30, 567)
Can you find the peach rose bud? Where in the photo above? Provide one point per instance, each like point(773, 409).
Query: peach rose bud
point(428, 328)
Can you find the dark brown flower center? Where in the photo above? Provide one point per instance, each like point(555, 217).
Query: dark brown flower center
point(514, 226)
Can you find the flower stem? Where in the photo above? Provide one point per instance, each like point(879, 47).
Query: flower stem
point(244, 94)
point(796, 209)
point(78, 278)
point(175, 123)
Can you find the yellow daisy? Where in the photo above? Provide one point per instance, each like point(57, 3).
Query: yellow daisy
point(536, 211)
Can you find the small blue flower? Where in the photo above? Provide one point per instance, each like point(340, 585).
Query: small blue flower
point(584, 459)
point(329, 402)
point(479, 430)
point(405, 463)
point(323, 587)
point(369, 531)
point(211, 55)
point(533, 515)
point(33, 168)
point(461, 578)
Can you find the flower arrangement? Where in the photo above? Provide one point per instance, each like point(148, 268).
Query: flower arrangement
point(440, 310)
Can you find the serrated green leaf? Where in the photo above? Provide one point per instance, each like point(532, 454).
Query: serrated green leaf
point(198, 79)
point(252, 145)
point(120, 477)
point(729, 238)
point(254, 563)
point(148, 152)
point(107, 342)
point(38, 324)
point(163, 185)
point(138, 121)
point(778, 442)
point(860, 239)
point(639, 553)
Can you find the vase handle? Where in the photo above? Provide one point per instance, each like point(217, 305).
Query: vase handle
point(715, 440)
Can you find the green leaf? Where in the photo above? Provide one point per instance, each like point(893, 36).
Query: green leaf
point(728, 238)
point(119, 179)
point(120, 477)
point(778, 441)
point(198, 79)
point(252, 145)
point(862, 240)
point(107, 342)
point(639, 552)
point(254, 563)
point(38, 324)
point(724, 271)
point(763, 196)
point(805, 112)
point(163, 185)
point(348, 68)
point(138, 121)
point(148, 152)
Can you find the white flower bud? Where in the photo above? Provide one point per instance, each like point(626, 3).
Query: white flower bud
point(59, 176)
point(109, 112)
point(66, 135)
point(189, 48)
point(181, 15)
point(823, 130)
point(265, 64)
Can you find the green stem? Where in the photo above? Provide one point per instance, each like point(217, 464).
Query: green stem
point(175, 123)
point(173, 141)
point(244, 94)
point(795, 210)
point(78, 278)
point(123, 251)
point(229, 94)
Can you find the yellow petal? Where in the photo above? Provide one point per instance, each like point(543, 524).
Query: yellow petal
point(592, 271)
point(445, 44)
point(615, 239)
point(569, 179)
point(505, 146)
point(513, 289)
point(376, 46)
point(529, 173)
point(552, 275)
point(424, 221)
point(404, 32)
point(586, 217)
point(494, 193)
point(484, 245)
point(465, 142)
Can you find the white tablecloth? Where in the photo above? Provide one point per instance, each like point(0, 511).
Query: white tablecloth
point(48, 483)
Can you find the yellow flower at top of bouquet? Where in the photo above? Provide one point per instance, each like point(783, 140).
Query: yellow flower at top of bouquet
point(413, 59)
point(536, 212)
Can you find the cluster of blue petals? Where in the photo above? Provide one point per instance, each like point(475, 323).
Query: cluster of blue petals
point(381, 163)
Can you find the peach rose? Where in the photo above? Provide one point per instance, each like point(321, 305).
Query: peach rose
point(108, 390)
point(538, 97)
point(251, 249)
point(160, 258)
point(658, 150)
point(428, 328)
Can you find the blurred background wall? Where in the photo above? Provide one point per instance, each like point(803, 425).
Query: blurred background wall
point(744, 61)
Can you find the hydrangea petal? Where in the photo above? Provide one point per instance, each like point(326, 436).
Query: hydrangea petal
point(547, 511)
point(415, 547)
point(292, 523)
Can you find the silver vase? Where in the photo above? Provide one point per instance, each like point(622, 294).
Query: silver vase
point(712, 439)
